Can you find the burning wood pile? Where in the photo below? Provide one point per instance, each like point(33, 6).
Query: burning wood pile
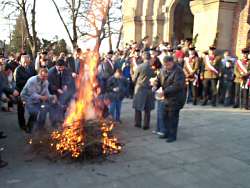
point(92, 139)
point(84, 134)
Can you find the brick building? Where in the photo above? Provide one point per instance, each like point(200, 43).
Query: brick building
point(228, 21)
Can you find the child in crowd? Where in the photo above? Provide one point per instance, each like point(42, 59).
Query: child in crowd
point(116, 90)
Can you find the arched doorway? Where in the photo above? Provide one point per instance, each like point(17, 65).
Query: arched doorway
point(183, 21)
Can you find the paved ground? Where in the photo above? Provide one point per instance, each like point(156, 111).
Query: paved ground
point(212, 151)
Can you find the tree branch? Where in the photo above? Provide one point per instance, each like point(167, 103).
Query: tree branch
point(62, 20)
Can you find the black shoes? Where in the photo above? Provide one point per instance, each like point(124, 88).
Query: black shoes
point(2, 135)
point(3, 163)
point(170, 140)
point(144, 128)
point(164, 136)
point(138, 126)
point(204, 103)
point(236, 106)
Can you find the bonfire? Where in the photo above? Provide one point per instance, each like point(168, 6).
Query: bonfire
point(84, 132)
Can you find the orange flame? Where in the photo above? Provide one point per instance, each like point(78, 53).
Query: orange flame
point(72, 138)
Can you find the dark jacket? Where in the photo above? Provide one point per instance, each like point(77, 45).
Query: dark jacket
point(14, 64)
point(4, 84)
point(21, 76)
point(227, 74)
point(73, 64)
point(106, 69)
point(173, 85)
point(55, 83)
point(143, 95)
point(120, 83)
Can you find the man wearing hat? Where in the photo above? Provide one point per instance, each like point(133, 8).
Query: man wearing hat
point(135, 60)
point(143, 95)
point(191, 70)
point(172, 81)
point(242, 80)
point(210, 74)
point(226, 80)
point(156, 63)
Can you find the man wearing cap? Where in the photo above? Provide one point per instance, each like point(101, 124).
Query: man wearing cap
point(226, 79)
point(143, 95)
point(172, 81)
point(227, 63)
point(210, 74)
point(191, 70)
point(242, 80)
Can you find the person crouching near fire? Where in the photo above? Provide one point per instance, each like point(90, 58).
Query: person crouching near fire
point(37, 99)
point(172, 80)
point(116, 87)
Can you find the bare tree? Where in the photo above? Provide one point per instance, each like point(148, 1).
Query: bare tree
point(73, 7)
point(23, 6)
point(114, 19)
point(81, 14)
point(111, 21)
point(95, 20)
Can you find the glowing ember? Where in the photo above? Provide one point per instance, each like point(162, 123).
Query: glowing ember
point(73, 138)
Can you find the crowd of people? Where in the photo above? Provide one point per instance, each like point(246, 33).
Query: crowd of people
point(171, 76)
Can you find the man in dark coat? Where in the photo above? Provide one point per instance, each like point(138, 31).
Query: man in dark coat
point(21, 75)
point(61, 84)
point(74, 63)
point(143, 95)
point(105, 71)
point(172, 81)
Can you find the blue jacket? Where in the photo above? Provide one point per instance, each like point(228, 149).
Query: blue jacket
point(34, 89)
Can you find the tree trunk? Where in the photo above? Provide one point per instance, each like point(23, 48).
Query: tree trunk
point(109, 31)
point(119, 37)
point(32, 39)
point(34, 33)
point(73, 39)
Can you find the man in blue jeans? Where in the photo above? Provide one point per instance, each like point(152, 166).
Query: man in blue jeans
point(172, 81)
point(160, 128)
